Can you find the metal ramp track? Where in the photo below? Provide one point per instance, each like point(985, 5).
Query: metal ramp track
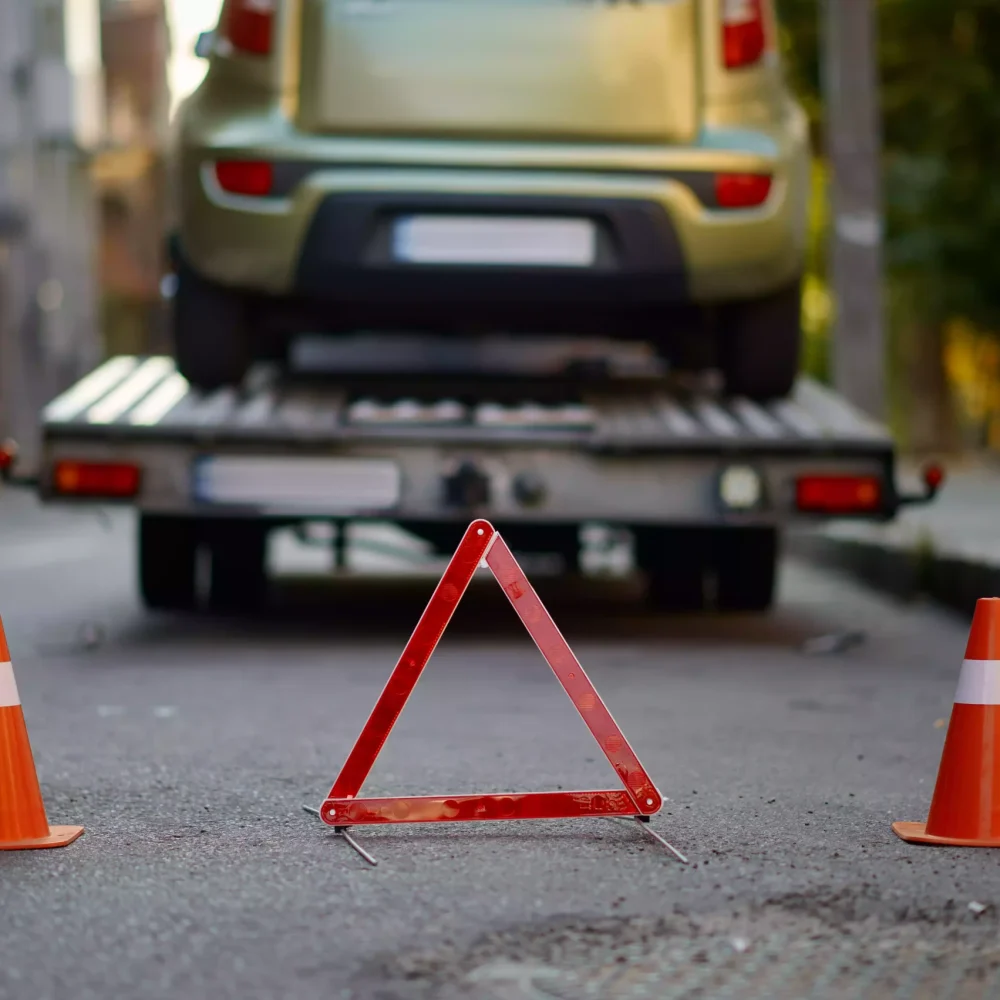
point(146, 399)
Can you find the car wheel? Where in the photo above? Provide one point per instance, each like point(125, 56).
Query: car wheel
point(238, 575)
point(167, 552)
point(211, 343)
point(674, 563)
point(746, 567)
point(759, 344)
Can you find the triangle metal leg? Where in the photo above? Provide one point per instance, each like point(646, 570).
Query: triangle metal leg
point(643, 822)
point(342, 830)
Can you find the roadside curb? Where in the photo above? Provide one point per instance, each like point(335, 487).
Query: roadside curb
point(907, 572)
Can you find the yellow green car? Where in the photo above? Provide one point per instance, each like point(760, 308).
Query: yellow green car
point(634, 169)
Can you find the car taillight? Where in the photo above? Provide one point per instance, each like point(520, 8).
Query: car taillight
point(249, 177)
point(744, 34)
point(742, 190)
point(838, 494)
point(96, 479)
point(249, 25)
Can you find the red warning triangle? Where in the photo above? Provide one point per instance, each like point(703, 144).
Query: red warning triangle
point(638, 797)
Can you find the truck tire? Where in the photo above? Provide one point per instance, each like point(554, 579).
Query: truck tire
point(674, 562)
point(167, 552)
point(238, 582)
point(746, 567)
point(759, 344)
point(211, 341)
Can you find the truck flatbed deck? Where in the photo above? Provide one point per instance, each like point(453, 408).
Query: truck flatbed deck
point(540, 439)
point(140, 400)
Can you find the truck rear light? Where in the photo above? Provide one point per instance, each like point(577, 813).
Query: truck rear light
point(741, 488)
point(933, 477)
point(96, 479)
point(838, 494)
point(744, 35)
point(8, 455)
point(249, 25)
point(248, 177)
point(742, 190)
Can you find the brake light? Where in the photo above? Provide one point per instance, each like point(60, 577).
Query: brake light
point(838, 494)
point(744, 36)
point(8, 453)
point(249, 177)
point(742, 190)
point(249, 25)
point(96, 479)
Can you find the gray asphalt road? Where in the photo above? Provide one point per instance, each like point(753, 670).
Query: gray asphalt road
point(187, 748)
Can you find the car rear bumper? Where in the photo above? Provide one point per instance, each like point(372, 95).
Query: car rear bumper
point(347, 254)
point(325, 232)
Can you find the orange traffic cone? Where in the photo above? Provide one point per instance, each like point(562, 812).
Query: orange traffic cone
point(23, 823)
point(965, 810)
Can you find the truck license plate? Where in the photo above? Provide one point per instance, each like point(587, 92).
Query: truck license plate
point(320, 485)
point(486, 241)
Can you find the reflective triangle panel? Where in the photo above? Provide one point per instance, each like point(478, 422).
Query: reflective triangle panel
point(639, 795)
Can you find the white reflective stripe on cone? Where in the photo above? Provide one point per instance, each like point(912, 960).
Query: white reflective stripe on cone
point(8, 688)
point(979, 683)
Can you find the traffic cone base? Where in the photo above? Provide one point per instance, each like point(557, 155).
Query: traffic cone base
point(916, 833)
point(965, 807)
point(59, 836)
point(638, 795)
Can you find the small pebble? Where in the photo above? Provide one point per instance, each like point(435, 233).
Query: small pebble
point(835, 642)
point(91, 635)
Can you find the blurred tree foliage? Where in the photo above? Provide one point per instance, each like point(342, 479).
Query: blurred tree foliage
point(940, 81)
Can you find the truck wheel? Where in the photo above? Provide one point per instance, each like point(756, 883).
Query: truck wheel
point(674, 562)
point(167, 551)
point(211, 340)
point(746, 564)
point(759, 344)
point(238, 575)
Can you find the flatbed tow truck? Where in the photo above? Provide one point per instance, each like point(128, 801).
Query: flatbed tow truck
point(541, 437)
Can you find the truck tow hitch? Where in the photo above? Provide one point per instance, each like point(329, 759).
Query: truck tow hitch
point(933, 479)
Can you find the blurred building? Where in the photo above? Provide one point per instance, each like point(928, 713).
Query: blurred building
point(51, 121)
point(129, 174)
point(84, 114)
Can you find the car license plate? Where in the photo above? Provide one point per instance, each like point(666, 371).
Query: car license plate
point(317, 485)
point(486, 241)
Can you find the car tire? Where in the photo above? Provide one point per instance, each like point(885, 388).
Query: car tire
point(238, 582)
point(168, 549)
point(759, 345)
point(674, 562)
point(211, 340)
point(746, 568)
